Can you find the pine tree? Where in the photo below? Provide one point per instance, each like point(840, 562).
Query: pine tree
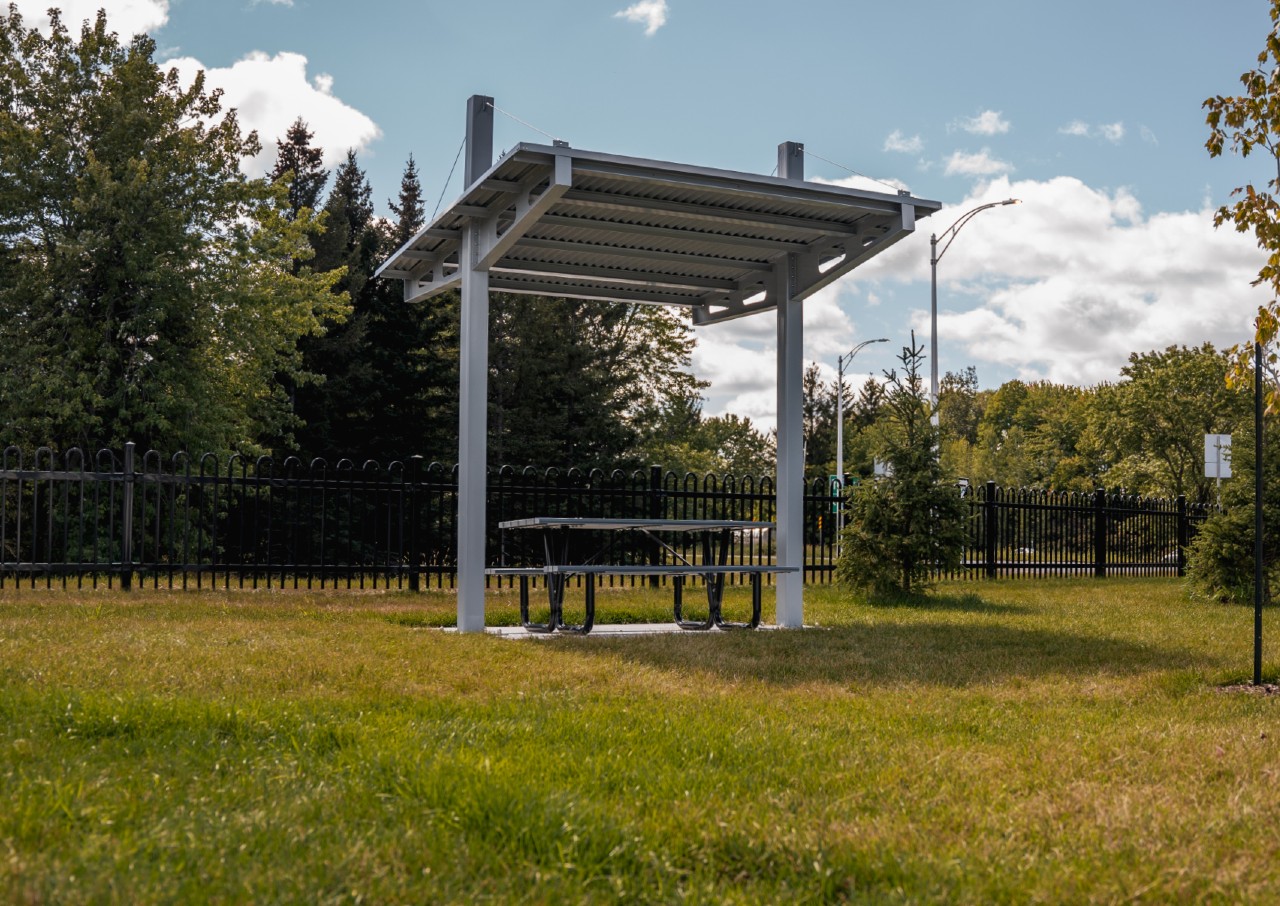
point(336, 410)
point(410, 211)
point(390, 371)
point(296, 156)
point(903, 526)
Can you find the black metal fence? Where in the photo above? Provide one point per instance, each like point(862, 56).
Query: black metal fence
point(199, 522)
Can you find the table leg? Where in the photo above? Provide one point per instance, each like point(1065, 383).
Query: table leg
point(524, 609)
point(678, 583)
point(590, 618)
point(755, 608)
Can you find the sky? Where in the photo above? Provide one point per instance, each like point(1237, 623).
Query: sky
point(1089, 112)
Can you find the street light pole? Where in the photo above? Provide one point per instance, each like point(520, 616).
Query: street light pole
point(934, 257)
point(841, 363)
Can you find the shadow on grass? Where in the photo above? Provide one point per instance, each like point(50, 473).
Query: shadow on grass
point(965, 603)
point(934, 653)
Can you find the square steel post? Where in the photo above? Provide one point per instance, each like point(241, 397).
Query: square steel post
point(474, 385)
point(790, 479)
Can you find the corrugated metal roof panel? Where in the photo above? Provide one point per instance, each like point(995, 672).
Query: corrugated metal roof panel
point(629, 228)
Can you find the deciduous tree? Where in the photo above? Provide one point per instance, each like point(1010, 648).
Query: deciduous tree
point(149, 292)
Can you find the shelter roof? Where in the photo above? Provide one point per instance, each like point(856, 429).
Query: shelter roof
point(558, 221)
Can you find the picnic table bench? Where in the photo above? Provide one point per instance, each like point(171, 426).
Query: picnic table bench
point(716, 540)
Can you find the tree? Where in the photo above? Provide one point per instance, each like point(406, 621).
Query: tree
point(1220, 560)
point(1032, 435)
point(336, 408)
point(903, 526)
point(1245, 123)
point(960, 405)
point(409, 210)
point(819, 421)
point(301, 167)
point(148, 290)
point(1153, 421)
point(573, 382)
point(678, 437)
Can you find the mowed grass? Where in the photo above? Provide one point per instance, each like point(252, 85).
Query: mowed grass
point(1031, 741)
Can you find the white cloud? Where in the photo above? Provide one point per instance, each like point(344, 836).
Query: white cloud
point(652, 14)
point(961, 163)
point(126, 17)
point(273, 2)
point(1111, 132)
point(988, 122)
point(1062, 287)
point(902, 143)
point(1148, 136)
point(269, 93)
point(1067, 284)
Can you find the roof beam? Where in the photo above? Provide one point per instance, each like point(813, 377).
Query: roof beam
point(498, 281)
point(583, 248)
point(642, 229)
point(729, 186)
point(730, 310)
point(813, 278)
point(644, 278)
point(425, 289)
point(607, 201)
point(528, 211)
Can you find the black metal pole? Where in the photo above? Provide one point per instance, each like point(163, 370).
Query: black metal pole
point(1257, 513)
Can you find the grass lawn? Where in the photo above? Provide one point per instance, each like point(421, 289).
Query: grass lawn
point(1017, 741)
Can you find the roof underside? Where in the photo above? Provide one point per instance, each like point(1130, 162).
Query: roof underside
point(556, 221)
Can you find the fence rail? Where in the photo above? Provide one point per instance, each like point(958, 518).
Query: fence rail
point(117, 519)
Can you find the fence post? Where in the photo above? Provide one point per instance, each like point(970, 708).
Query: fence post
point(1183, 533)
point(990, 527)
point(414, 478)
point(1100, 533)
point(126, 518)
point(655, 512)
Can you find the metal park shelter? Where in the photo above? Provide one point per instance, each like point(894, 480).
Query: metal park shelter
point(552, 220)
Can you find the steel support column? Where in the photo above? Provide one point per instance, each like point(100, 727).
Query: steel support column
point(790, 478)
point(473, 421)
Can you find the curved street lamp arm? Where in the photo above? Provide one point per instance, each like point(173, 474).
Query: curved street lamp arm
point(847, 358)
point(954, 230)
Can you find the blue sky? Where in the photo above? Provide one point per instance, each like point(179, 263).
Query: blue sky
point(1088, 111)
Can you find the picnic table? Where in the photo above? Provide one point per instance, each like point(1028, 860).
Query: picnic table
point(716, 540)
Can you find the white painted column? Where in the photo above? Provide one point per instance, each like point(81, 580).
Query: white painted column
point(790, 486)
point(473, 385)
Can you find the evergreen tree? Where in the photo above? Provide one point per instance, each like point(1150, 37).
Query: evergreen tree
point(301, 166)
point(904, 526)
point(819, 420)
point(554, 400)
point(409, 209)
point(1220, 560)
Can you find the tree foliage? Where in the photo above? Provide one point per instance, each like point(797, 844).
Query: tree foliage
point(1155, 418)
point(676, 435)
point(1245, 123)
point(903, 526)
point(573, 382)
point(149, 292)
point(300, 167)
point(1220, 561)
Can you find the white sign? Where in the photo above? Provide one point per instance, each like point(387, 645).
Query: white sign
point(1217, 456)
